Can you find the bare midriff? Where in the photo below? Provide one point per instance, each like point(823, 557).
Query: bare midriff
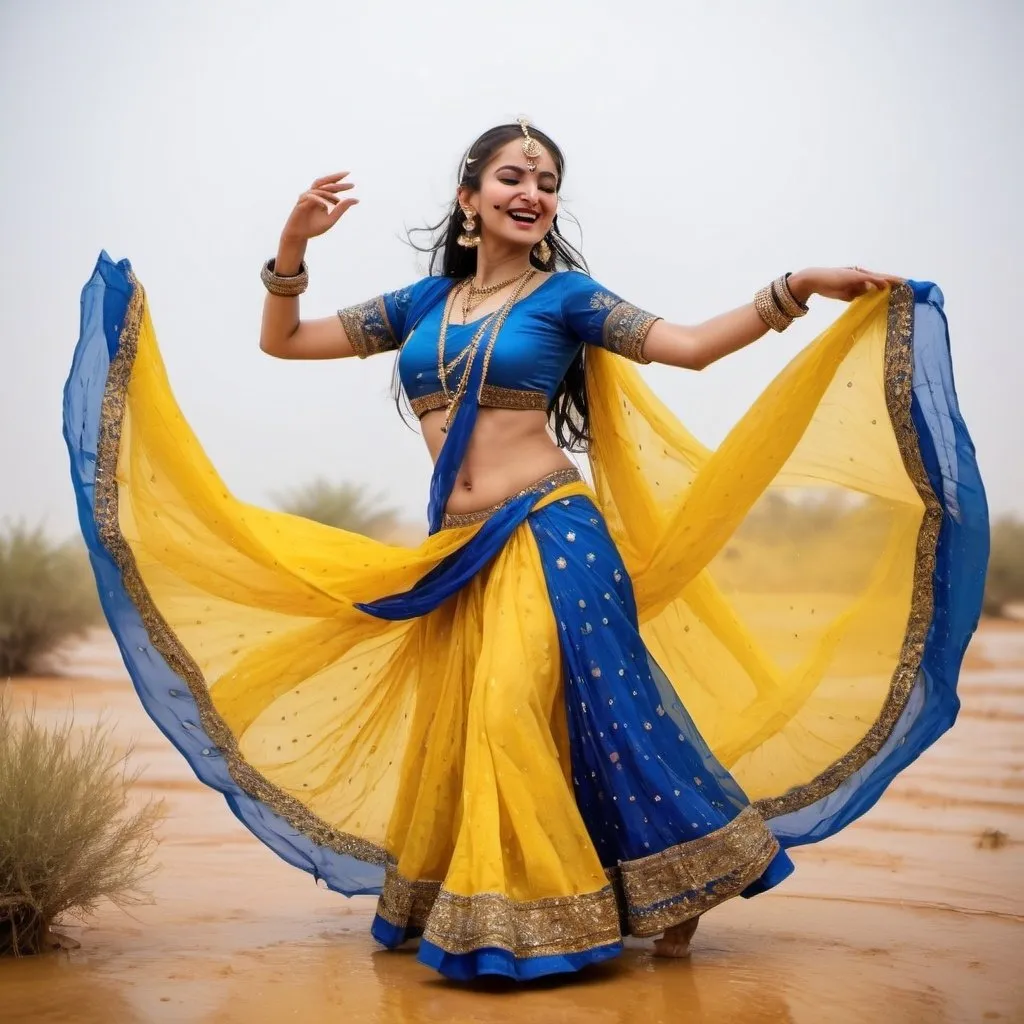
point(509, 450)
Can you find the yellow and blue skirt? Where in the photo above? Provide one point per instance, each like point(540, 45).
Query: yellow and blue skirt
point(590, 711)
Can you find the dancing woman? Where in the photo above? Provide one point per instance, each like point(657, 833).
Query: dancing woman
point(575, 711)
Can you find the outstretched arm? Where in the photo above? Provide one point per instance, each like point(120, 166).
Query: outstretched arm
point(697, 347)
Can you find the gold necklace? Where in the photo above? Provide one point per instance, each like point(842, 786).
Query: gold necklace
point(497, 319)
point(475, 295)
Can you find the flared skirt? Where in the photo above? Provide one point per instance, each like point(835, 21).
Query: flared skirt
point(596, 711)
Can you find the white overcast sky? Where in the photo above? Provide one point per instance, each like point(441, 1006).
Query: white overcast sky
point(709, 147)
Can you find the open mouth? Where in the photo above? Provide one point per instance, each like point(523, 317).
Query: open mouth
point(523, 216)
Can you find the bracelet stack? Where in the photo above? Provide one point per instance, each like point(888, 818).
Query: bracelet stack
point(777, 306)
point(288, 287)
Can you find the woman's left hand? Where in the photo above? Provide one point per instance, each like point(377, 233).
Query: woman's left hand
point(844, 283)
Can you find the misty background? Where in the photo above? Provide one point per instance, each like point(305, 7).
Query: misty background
point(709, 148)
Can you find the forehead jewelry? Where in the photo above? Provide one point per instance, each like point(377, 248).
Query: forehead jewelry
point(531, 147)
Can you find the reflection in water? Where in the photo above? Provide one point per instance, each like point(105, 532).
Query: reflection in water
point(903, 917)
point(58, 989)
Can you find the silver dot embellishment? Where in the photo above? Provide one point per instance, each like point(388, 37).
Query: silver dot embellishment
point(591, 557)
point(561, 562)
point(570, 537)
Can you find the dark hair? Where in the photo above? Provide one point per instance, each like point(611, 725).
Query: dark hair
point(567, 410)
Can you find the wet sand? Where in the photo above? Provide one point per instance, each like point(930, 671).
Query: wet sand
point(909, 915)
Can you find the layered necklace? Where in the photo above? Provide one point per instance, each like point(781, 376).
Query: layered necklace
point(472, 296)
point(467, 355)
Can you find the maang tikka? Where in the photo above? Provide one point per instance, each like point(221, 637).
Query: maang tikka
point(531, 150)
point(531, 147)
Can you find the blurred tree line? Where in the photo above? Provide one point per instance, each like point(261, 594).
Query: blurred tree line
point(47, 593)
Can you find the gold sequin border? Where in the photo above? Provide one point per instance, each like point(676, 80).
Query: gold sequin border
point(495, 397)
point(428, 403)
point(625, 331)
point(491, 396)
point(406, 903)
point(899, 378)
point(162, 637)
point(368, 328)
point(559, 478)
point(690, 878)
point(643, 898)
point(555, 926)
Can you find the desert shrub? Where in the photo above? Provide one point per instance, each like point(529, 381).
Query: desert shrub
point(47, 595)
point(1004, 584)
point(344, 505)
point(68, 838)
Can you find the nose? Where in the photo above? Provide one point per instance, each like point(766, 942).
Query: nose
point(529, 190)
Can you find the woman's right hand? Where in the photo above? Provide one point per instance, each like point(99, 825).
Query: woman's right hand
point(319, 208)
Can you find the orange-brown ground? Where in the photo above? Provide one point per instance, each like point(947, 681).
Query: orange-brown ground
point(909, 915)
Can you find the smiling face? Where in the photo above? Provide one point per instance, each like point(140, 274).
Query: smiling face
point(514, 204)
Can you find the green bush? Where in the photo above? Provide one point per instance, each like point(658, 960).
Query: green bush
point(67, 836)
point(47, 595)
point(1005, 582)
point(345, 506)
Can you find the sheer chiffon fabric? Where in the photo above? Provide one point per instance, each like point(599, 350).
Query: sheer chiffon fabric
point(600, 711)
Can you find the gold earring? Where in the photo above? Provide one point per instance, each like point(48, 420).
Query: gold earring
point(543, 252)
point(469, 239)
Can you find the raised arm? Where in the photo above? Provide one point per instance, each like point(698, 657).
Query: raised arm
point(696, 347)
point(283, 333)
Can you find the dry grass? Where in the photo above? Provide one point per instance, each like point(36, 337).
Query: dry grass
point(68, 838)
point(1005, 582)
point(47, 595)
point(345, 505)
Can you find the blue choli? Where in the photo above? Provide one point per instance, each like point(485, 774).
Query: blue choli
point(540, 338)
point(533, 350)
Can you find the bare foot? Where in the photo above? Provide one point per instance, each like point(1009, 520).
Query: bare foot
point(675, 942)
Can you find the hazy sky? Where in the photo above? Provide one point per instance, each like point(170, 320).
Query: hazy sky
point(709, 147)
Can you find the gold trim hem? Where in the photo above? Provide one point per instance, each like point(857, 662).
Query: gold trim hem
point(491, 397)
point(555, 926)
point(899, 379)
point(368, 328)
point(625, 331)
point(643, 897)
point(106, 513)
point(685, 881)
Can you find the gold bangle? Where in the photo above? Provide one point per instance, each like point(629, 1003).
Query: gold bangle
point(288, 287)
point(769, 312)
point(785, 299)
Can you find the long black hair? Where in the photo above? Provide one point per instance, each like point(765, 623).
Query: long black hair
point(568, 413)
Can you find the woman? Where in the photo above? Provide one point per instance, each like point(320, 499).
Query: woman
point(487, 730)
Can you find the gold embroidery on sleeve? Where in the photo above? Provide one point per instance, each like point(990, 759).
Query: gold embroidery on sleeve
point(368, 328)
